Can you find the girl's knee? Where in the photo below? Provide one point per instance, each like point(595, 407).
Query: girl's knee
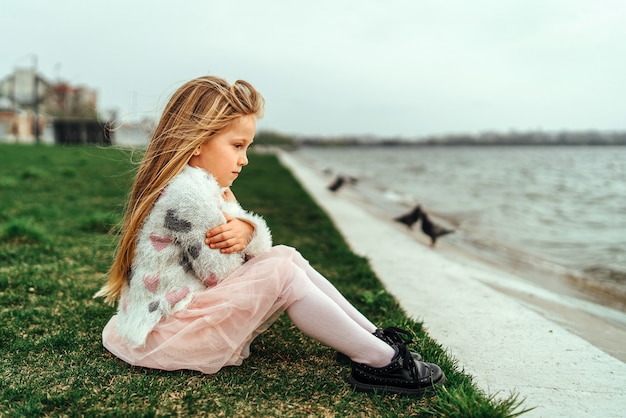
point(284, 249)
point(288, 265)
point(291, 254)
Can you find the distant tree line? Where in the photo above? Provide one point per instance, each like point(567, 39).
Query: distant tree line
point(533, 138)
point(271, 138)
point(487, 138)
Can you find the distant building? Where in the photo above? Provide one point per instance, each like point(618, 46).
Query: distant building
point(34, 109)
point(21, 95)
point(65, 100)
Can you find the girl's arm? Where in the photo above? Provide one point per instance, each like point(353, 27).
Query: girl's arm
point(231, 237)
point(234, 235)
point(243, 232)
point(187, 208)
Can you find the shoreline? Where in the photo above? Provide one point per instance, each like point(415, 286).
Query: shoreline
point(482, 314)
point(558, 299)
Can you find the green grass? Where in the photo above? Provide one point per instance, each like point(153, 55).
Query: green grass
point(58, 207)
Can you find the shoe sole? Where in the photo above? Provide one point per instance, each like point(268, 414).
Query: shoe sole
point(419, 392)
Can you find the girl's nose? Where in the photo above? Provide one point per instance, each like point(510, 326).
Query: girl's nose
point(243, 160)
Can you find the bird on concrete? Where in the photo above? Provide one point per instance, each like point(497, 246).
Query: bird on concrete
point(433, 230)
point(410, 218)
point(335, 185)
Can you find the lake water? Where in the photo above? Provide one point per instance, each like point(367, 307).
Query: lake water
point(560, 209)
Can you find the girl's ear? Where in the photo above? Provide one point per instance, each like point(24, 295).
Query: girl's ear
point(196, 151)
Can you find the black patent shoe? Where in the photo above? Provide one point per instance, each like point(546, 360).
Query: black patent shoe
point(403, 375)
point(390, 335)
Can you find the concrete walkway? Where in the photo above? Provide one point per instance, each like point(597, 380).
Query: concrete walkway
point(507, 347)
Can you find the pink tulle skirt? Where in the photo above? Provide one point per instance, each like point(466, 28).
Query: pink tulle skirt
point(218, 325)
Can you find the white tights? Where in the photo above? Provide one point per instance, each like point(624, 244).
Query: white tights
point(326, 316)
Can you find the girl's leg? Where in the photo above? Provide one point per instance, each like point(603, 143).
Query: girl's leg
point(321, 318)
point(331, 291)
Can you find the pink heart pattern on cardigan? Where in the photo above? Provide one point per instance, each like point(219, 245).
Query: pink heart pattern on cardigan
point(151, 283)
point(159, 242)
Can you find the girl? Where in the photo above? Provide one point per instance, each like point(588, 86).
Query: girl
point(192, 299)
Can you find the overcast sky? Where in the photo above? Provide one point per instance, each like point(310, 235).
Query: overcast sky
point(408, 68)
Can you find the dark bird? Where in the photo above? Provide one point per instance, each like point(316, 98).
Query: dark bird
point(434, 231)
point(335, 185)
point(410, 218)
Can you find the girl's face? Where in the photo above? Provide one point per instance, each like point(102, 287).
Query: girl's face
point(225, 154)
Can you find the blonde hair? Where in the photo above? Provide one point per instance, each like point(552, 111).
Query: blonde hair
point(196, 112)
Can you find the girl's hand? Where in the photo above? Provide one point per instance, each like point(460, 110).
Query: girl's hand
point(231, 237)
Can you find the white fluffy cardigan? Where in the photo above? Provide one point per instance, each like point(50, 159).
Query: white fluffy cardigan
point(171, 259)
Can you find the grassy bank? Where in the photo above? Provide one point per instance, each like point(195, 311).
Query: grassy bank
point(58, 207)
